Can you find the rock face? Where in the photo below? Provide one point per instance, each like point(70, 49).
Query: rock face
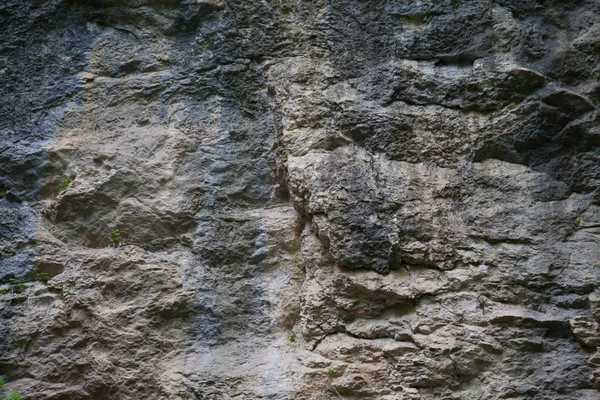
point(260, 199)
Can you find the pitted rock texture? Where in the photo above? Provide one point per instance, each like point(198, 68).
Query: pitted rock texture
point(351, 199)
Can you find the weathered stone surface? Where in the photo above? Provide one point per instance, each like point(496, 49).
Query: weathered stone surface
point(314, 200)
point(586, 331)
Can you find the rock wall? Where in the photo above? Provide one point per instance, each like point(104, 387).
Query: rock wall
point(285, 199)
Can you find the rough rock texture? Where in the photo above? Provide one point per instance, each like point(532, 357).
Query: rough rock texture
point(355, 199)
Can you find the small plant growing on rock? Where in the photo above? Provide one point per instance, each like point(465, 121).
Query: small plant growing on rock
point(64, 184)
point(330, 372)
point(18, 284)
point(115, 237)
point(330, 375)
point(292, 336)
point(42, 277)
point(8, 395)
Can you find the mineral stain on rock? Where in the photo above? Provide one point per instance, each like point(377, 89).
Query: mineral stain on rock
point(407, 189)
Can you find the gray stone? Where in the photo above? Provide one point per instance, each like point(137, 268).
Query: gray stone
point(314, 200)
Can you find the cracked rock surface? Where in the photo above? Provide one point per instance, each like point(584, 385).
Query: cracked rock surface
point(283, 199)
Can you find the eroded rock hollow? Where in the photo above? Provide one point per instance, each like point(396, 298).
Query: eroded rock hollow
point(286, 199)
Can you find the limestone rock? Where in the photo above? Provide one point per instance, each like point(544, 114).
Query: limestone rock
point(586, 331)
point(259, 199)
